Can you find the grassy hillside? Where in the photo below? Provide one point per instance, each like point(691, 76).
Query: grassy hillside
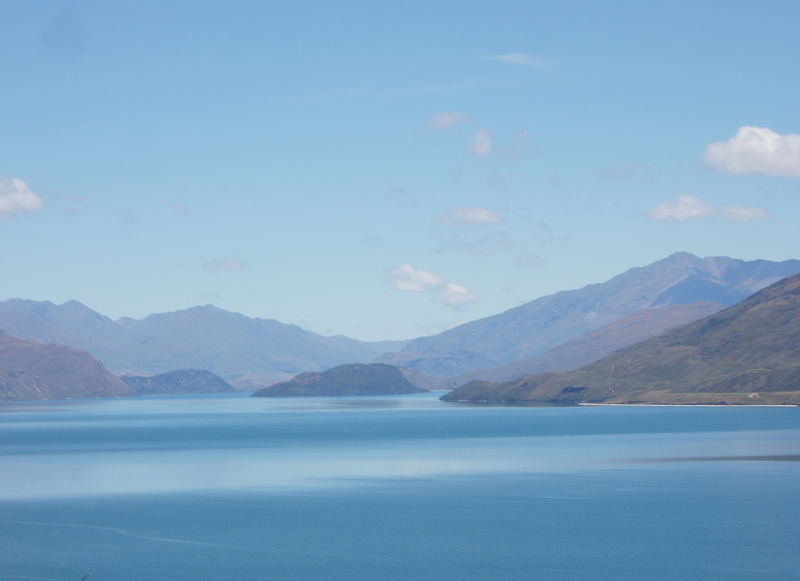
point(749, 353)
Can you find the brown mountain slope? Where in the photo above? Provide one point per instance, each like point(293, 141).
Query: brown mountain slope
point(637, 326)
point(749, 353)
point(30, 370)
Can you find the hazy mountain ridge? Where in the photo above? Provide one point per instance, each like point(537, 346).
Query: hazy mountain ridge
point(540, 325)
point(632, 328)
point(31, 370)
point(748, 353)
point(252, 352)
point(205, 337)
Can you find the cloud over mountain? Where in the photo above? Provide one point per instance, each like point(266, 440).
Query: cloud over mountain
point(684, 208)
point(693, 208)
point(408, 279)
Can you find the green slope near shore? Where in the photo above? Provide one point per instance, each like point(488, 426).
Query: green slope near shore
point(746, 354)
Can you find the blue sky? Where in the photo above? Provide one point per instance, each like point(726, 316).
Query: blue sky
point(386, 171)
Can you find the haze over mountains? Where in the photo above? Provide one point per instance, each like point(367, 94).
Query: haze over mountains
point(748, 353)
point(31, 370)
point(535, 327)
point(536, 336)
point(632, 328)
point(229, 344)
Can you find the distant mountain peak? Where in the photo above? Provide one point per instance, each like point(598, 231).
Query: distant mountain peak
point(746, 354)
point(527, 330)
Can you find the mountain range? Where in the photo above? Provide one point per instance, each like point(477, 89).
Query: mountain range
point(545, 323)
point(552, 333)
point(748, 353)
point(630, 329)
point(31, 370)
point(205, 337)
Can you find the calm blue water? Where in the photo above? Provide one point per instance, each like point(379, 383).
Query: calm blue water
point(401, 487)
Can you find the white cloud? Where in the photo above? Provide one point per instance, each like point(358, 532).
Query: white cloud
point(447, 119)
point(756, 150)
point(407, 278)
point(225, 264)
point(16, 196)
point(684, 208)
point(519, 147)
point(472, 215)
point(481, 144)
point(525, 60)
point(454, 295)
point(743, 213)
point(691, 208)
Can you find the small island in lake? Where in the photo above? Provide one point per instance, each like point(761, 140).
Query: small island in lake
point(179, 382)
point(350, 379)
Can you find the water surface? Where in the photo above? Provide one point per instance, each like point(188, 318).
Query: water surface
point(401, 487)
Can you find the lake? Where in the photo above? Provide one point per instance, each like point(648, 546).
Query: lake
point(400, 487)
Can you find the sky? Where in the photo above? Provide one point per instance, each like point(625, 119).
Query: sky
point(386, 170)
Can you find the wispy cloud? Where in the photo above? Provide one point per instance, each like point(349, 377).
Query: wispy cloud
point(481, 144)
point(621, 173)
point(447, 119)
point(473, 215)
point(756, 150)
point(744, 214)
point(409, 279)
point(127, 216)
point(693, 208)
point(401, 197)
point(225, 264)
point(525, 259)
point(488, 243)
point(181, 209)
point(519, 148)
point(525, 60)
point(455, 295)
point(16, 196)
point(684, 208)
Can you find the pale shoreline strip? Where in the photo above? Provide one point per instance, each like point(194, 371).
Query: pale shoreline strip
point(697, 405)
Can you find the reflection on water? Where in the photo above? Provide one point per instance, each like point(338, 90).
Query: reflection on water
point(159, 445)
point(784, 458)
point(406, 487)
